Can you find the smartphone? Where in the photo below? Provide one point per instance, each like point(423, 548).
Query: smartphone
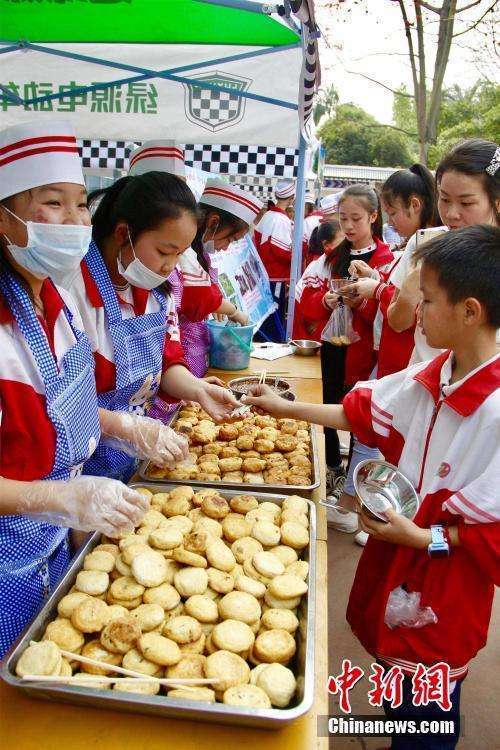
point(424, 235)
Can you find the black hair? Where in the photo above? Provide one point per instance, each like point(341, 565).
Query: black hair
point(417, 180)
point(472, 157)
point(368, 197)
point(142, 201)
point(467, 264)
point(325, 232)
point(226, 221)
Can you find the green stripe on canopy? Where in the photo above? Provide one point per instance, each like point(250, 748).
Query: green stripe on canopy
point(138, 22)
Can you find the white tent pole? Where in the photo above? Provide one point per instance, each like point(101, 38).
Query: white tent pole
point(298, 234)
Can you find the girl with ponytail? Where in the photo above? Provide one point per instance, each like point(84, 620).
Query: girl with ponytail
point(141, 226)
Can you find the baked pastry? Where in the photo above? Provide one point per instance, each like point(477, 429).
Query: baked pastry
point(229, 668)
point(190, 581)
point(64, 634)
point(287, 586)
point(263, 446)
point(202, 694)
point(99, 560)
point(290, 515)
point(230, 451)
point(246, 695)
point(134, 659)
point(215, 506)
point(274, 603)
point(245, 548)
point(202, 608)
point(219, 556)
point(185, 557)
point(209, 525)
point(176, 506)
point(68, 603)
point(250, 586)
point(90, 615)
point(275, 646)
point(132, 550)
point(220, 581)
point(42, 658)
point(133, 685)
point(119, 636)
point(286, 443)
point(280, 619)
point(159, 650)
point(149, 568)
point(233, 635)
point(148, 616)
point(166, 537)
point(166, 596)
point(95, 650)
point(286, 554)
point(294, 535)
point(238, 605)
point(268, 564)
point(267, 533)
point(194, 647)
point(251, 572)
point(93, 582)
point(228, 432)
point(279, 683)
point(243, 503)
point(235, 477)
point(287, 426)
point(235, 526)
point(191, 666)
point(299, 568)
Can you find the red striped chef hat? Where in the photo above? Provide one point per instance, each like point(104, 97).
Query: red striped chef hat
point(284, 189)
point(329, 205)
point(232, 199)
point(38, 153)
point(158, 156)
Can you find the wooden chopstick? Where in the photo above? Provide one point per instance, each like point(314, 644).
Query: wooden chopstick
point(109, 667)
point(188, 682)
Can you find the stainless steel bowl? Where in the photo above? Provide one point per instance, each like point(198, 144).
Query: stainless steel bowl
point(305, 347)
point(380, 486)
point(239, 386)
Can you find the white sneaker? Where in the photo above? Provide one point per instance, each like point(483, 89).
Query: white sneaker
point(341, 520)
point(361, 538)
point(344, 450)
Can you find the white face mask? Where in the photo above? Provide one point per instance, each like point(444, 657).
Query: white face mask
point(54, 250)
point(209, 245)
point(137, 274)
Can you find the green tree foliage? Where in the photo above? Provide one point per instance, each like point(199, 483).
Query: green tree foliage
point(352, 136)
point(465, 113)
point(326, 104)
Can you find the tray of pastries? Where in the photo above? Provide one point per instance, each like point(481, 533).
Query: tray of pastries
point(214, 587)
point(256, 451)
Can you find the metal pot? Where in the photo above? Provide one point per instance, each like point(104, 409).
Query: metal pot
point(305, 347)
point(380, 486)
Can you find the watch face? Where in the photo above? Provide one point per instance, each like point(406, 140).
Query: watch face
point(439, 552)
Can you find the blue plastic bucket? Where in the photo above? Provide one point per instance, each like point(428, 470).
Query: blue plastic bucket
point(230, 346)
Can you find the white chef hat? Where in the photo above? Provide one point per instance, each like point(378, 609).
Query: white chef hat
point(38, 153)
point(157, 156)
point(284, 189)
point(309, 198)
point(234, 200)
point(329, 205)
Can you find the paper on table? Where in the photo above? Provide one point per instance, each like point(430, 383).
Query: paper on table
point(271, 351)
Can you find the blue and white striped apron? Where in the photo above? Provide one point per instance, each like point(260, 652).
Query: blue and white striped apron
point(33, 555)
point(138, 345)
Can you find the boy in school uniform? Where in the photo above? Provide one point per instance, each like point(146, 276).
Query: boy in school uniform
point(439, 422)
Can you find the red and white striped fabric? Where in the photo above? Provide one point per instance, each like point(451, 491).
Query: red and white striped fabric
point(273, 240)
point(310, 223)
point(201, 296)
point(234, 200)
point(446, 440)
point(27, 436)
point(133, 301)
point(35, 154)
point(158, 156)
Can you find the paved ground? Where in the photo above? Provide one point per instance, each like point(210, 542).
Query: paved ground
point(480, 691)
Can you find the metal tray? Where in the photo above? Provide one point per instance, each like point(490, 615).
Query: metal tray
point(294, 488)
point(162, 705)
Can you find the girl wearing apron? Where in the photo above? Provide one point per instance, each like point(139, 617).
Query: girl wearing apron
point(49, 419)
point(226, 213)
point(140, 227)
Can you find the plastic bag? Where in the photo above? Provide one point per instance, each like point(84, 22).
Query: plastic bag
point(403, 609)
point(339, 331)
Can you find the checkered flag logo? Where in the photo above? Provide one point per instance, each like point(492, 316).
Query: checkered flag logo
point(215, 110)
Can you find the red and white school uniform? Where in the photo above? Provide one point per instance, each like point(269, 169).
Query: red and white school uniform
point(446, 440)
point(312, 316)
point(273, 240)
point(394, 347)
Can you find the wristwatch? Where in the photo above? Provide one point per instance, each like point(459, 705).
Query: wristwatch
point(438, 547)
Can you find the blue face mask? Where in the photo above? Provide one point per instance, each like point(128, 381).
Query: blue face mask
point(54, 250)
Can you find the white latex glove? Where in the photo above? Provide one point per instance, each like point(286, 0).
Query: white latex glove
point(146, 438)
point(86, 503)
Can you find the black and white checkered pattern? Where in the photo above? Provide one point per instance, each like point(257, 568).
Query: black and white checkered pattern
point(264, 161)
point(215, 107)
